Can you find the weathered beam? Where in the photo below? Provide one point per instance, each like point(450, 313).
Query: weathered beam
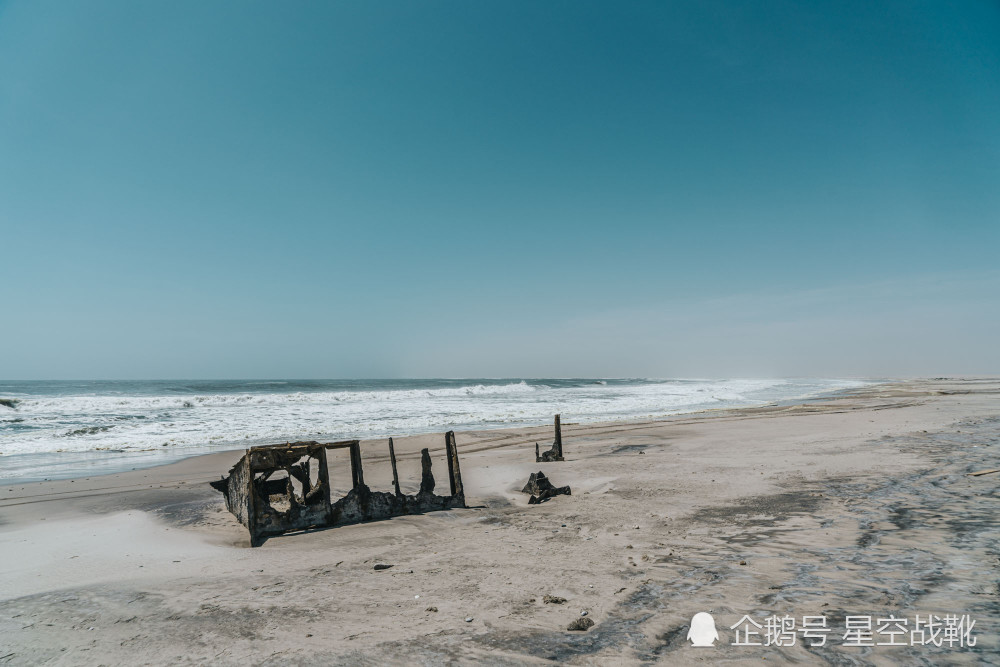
point(251, 501)
point(558, 442)
point(426, 476)
point(357, 473)
point(343, 444)
point(324, 479)
point(449, 440)
point(454, 471)
point(268, 457)
point(395, 474)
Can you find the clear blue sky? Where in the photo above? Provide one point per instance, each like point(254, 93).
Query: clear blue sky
point(380, 189)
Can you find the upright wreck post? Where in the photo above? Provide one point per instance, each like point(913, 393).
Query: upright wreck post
point(556, 452)
point(395, 473)
point(557, 445)
point(357, 473)
point(272, 489)
point(426, 477)
point(454, 472)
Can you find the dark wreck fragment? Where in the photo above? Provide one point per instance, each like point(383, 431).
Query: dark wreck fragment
point(541, 488)
point(556, 452)
point(274, 489)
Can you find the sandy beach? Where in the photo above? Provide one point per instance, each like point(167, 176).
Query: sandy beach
point(860, 505)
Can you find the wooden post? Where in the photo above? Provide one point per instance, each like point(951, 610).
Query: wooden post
point(454, 471)
point(426, 477)
point(558, 442)
point(449, 439)
point(357, 474)
point(251, 501)
point(538, 455)
point(324, 479)
point(395, 475)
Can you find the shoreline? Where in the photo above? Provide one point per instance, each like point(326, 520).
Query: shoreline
point(111, 462)
point(859, 504)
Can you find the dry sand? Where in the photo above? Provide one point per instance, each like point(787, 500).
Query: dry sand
point(858, 505)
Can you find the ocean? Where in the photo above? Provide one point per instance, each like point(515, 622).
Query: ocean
point(64, 429)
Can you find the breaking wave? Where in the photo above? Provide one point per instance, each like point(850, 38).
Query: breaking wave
point(136, 416)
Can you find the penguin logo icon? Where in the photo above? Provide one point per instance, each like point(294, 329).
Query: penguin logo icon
point(702, 631)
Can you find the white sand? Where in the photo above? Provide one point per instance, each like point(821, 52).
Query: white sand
point(858, 505)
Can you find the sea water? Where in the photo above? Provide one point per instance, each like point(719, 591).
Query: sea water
point(68, 429)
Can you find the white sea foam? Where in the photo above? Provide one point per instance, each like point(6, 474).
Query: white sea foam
point(141, 420)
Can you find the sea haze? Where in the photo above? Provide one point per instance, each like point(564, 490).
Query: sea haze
point(65, 429)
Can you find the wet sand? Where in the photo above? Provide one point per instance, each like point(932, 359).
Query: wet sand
point(858, 505)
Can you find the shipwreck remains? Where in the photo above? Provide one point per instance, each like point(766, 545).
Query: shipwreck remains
point(554, 454)
point(274, 489)
point(541, 489)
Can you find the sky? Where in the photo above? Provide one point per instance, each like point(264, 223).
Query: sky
point(498, 189)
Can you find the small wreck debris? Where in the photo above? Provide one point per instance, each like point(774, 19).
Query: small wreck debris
point(274, 489)
point(541, 489)
point(554, 454)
